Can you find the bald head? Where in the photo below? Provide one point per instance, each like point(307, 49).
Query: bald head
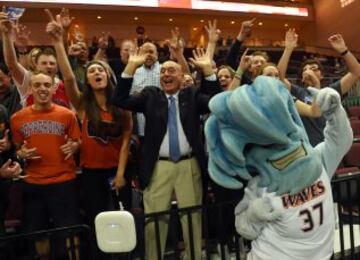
point(151, 54)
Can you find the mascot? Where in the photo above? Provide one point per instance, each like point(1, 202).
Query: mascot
point(256, 135)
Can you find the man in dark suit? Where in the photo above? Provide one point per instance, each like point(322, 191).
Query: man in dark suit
point(174, 155)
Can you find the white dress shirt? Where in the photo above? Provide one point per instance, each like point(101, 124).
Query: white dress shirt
point(184, 145)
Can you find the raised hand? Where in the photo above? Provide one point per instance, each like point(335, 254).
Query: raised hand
point(78, 36)
point(69, 148)
point(201, 58)
point(54, 28)
point(103, 42)
point(203, 61)
point(137, 57)
point(65, 18)
point(5, 24)
point(245, 61)
point(27, 153)
point(328, 100)
point(10, 169)
point(338, 43)
point(176, 44)
point(291, 39)
point(22, 34)
point(213, 32)
point(246, 28)
point(5, 142)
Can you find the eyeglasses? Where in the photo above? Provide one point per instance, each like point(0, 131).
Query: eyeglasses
point(170, 70)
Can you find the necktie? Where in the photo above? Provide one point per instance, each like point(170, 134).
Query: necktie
point(174, 147)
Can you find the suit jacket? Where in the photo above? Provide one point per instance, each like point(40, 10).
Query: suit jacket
point(152, 102)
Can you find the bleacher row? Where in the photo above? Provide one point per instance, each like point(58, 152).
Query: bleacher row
point(351, 161)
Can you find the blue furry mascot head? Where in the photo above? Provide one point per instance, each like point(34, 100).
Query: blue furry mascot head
point(256, 128)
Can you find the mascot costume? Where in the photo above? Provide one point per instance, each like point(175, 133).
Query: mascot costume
point(256, 135)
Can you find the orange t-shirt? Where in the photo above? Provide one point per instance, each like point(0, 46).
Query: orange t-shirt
point(46, 130)
point(100, 149)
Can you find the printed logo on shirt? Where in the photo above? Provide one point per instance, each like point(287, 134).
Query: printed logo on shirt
point(309, 193)
point(106, 131)
point(42, 127)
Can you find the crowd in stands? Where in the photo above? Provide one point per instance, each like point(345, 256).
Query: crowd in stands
point(132, 118)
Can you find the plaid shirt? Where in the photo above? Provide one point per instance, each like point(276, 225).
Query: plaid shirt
point(145, 77)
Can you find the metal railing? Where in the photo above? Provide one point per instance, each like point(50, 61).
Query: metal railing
point(346, 190)
point(77, 242)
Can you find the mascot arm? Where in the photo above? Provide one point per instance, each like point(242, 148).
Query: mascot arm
point(254, 211)
point(338, 133)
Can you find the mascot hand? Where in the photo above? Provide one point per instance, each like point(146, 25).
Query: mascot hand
point(250, 222)
point(252, 192)
point(328, 100)
point(261, 210)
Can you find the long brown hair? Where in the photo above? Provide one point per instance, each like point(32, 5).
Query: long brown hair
point(92, 108)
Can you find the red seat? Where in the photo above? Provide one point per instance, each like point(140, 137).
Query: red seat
point(355, 125)
point(351, 161)
point(354, 111)
point(352, 158)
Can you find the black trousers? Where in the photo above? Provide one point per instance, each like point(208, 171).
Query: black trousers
point(226, 217)
point(98, 196)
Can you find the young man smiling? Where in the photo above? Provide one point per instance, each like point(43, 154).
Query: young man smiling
point(46, 136)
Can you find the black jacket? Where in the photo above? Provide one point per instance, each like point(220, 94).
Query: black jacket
point(152, 102)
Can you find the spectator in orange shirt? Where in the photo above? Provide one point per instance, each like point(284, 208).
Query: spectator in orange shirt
point(46, 136)
point(106, 130)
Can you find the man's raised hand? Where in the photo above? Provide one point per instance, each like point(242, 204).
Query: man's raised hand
point(65, 18)
point(246, 28)
point(54, 28)
point(338, 43)
point(213, 31)
point(6, 25)
point(291, 39)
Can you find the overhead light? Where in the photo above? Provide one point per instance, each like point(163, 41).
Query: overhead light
point(201, 21)
point(195, 29)
point(260, 23)
point(99, 17)
point(136, 18)
point(286, 25)
point(232, 22)
point(170, 19)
